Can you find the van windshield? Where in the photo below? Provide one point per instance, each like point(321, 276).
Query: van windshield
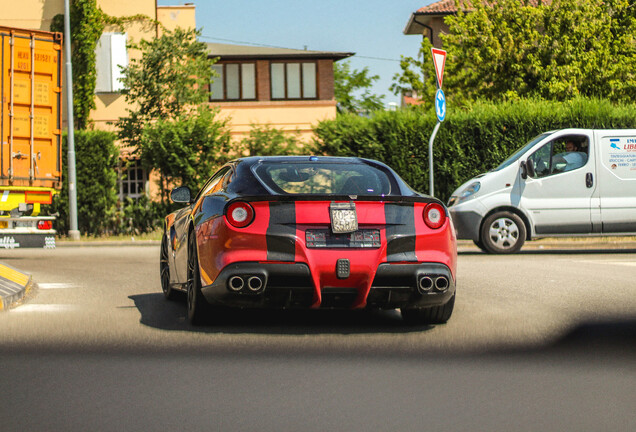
point(521, 151)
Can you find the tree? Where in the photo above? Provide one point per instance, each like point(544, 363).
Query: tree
point(507, 50)
point(170, 78)
point(268, 141)
point(185, 150)
point(87, 23)
point(417, 75)
point(348, 82)
point(170, 124)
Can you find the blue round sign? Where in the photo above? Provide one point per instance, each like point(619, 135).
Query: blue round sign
point(440, 105)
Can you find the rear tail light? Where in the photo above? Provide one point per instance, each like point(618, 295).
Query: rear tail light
point(239, 214)
point(434, 215)
point(45, 225)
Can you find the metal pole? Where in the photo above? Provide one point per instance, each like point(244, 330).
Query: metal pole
point(431, 188)
point(73, 232)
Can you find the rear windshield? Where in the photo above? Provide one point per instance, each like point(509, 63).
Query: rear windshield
point(323, 178)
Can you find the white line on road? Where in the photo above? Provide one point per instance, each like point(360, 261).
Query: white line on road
point(46, 286)
point(629, 263)
point(43, 308)
point(623, 263)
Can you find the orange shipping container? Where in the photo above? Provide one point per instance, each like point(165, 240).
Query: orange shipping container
point(31, 82)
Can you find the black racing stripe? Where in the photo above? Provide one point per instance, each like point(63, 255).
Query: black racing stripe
point(400, 232)
point(281, 232)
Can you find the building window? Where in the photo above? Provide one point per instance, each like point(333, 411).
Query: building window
point(293, 80)
point(233, 81)
point(132, 179)
point(110, 56)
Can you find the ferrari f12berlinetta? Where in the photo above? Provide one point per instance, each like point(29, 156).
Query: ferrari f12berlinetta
point(310, 232)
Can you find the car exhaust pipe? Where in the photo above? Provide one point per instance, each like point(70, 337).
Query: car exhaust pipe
point(425, 284)
point(236, 283)
point(255, 283)
point(441, 283)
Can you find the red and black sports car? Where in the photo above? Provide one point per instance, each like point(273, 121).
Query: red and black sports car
point(310, 232)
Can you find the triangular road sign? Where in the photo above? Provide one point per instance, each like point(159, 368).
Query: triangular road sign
point(439, 59)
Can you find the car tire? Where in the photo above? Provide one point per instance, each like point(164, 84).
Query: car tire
point(503, 233)
point(430, 315)
point(198, 307)
point(164, 271)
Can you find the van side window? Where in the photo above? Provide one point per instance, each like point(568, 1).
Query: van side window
point(561, 155)
point(569, 153)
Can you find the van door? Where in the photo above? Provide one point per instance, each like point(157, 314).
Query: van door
point(617, 180)
point(558, 191)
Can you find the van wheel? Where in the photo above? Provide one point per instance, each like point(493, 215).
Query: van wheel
point(503, 232)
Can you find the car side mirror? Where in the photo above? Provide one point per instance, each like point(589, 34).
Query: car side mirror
point(524, 170)
point(181, 194)
point(529, 168)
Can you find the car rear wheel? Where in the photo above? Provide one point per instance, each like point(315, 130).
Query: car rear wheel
point(198, 307)
point(430, 315)
point(164, 270)
point(503, 232)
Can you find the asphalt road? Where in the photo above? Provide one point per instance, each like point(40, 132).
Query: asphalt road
point(543, 340)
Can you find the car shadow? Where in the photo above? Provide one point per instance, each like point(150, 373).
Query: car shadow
point(159, 313)
point(616, 336)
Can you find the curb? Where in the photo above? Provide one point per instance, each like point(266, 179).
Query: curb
point(100, 243)
point(565, 244)
point(13, 286)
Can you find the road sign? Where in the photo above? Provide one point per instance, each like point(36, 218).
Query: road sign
point(440, 105)
point(439, 59)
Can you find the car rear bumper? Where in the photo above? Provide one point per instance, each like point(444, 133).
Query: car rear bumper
point(290, 285)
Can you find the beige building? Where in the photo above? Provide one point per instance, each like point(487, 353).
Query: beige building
point(290, 90)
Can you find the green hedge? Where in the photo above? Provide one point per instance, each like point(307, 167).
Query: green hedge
point(469, 142)
point(96, 159)
point(99, 212)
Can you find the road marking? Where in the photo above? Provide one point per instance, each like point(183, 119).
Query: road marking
point(47, 286)
point(43, 308)
point(629, 263)
point(623, 263)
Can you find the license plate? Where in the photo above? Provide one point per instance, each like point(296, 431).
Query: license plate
point(323, 238)
point(343, 217)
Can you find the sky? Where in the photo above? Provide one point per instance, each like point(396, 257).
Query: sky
point(372, 29)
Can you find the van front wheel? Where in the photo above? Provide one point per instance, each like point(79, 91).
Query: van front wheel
point(503, 232)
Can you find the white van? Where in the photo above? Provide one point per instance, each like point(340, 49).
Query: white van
point(567, 182)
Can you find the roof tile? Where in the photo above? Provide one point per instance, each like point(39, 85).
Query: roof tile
point(448, 7)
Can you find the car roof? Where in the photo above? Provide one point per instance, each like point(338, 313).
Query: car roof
point(249, 160)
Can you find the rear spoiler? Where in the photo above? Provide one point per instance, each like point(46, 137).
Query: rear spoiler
point(331, 197)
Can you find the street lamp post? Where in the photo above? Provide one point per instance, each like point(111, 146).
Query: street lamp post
point(73, 232)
